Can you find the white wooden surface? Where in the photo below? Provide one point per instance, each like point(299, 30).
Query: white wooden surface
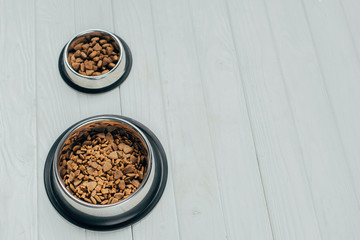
point(256, 103)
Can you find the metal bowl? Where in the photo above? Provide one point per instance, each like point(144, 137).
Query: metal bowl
point(116, 215)
point(101, 83)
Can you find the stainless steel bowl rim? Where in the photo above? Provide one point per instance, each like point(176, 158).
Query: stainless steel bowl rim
point(92, 120)
point(92, 31)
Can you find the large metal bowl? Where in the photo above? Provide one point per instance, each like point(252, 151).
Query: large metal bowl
point(116, 215)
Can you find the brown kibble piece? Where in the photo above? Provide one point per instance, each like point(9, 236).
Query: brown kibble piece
point(102, 41)
point(121, 146)
point(85, 46)
point(77, 147)
point(99, 64)
point(89, 72)
point(129, 169)
point(113, 155)
point(111, 65)
point(94, 164)
point(90, 50)
point(95, 39)
point(91, 186)
point(127, 191)
point(90, 170)
point(77, 53)
point(77, 182)
point(101, 135)
point(97, 47)
point(107, 166)
point(71, 176)
point(93, 200)
point(83, 55)
point(93, 54)
point(97, 198)
point(88, 65)
point(104, 191)
point(109, 50)
point(78, 46)
point(136, 183)
point(127, 149)
point(62, 171)
point(122, 184)
point(76, 66)
point(118, 174)
point(118, 195)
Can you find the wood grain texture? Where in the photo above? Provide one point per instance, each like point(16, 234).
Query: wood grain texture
point(57, 105)
point(18, 121)
point(279, 152)
point(255, 102)
point(195, 178)
point(141, 99)
point(348, 120)
point(229, 126)
point(340, 61)
point(329, 178)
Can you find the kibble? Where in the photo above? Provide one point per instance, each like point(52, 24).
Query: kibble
point(98, 54)
point(102, 167)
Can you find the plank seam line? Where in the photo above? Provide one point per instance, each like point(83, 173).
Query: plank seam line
point(329, 100)
point(36, 124)
point(165, 116)
point(292, 114)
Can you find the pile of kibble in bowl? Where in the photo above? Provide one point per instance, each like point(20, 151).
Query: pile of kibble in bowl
point(93, 56)
point(102, 167)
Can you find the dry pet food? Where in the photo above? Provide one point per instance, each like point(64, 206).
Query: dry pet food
point(102, 166)
point(93, 55)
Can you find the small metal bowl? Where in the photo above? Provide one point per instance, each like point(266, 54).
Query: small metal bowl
point(101, 83)
point(116, 215)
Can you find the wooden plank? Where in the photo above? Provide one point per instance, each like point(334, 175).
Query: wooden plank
point(279, 152)
point(141, 98)
point(330, 181)
point(245, 215)
point(344, 87)
point(57, 105)
point(18, 171)
point(195, 179)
